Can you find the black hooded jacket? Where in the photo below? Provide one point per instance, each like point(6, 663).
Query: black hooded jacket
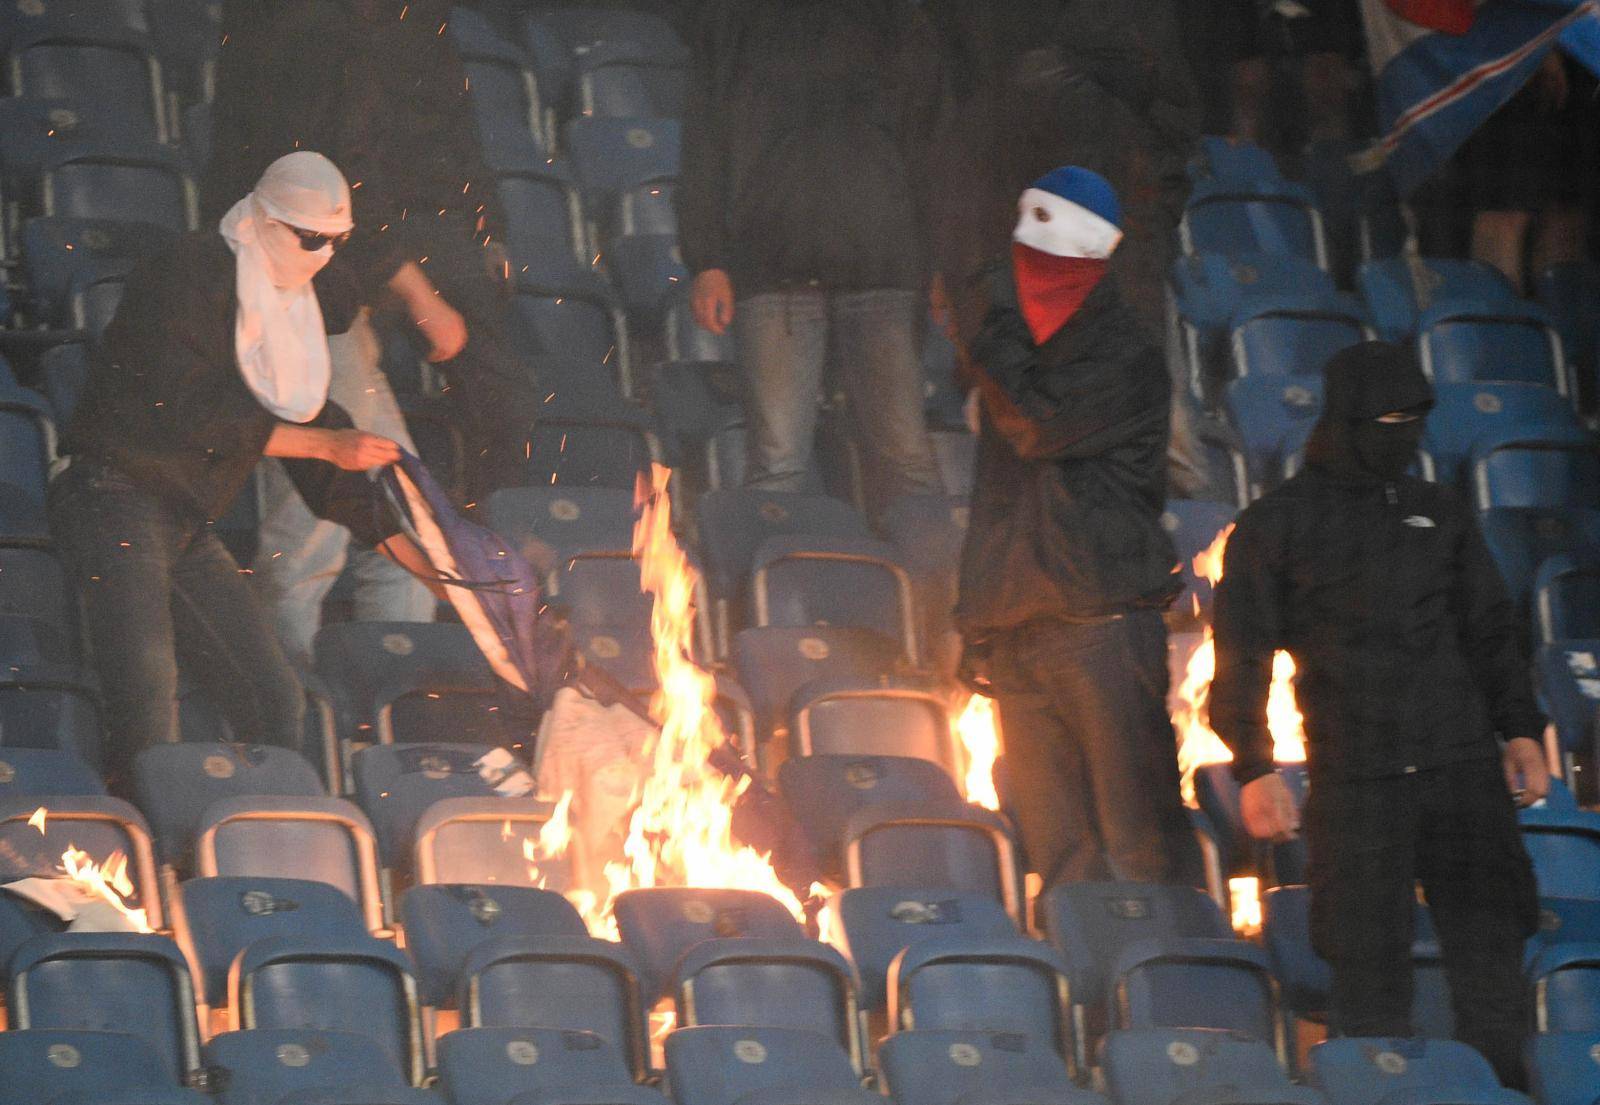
point(1071, 470)
point(1407, 651)
point(804, 143)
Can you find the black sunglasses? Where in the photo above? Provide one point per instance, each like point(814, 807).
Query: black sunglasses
point(311, 241)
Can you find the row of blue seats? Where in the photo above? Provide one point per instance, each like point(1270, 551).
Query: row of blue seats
point(717, 1065)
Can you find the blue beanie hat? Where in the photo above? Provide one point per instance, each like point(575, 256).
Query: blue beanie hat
point(1087, 189)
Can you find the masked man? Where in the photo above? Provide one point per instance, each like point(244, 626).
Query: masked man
point(1066, 569)
point(1419, 713)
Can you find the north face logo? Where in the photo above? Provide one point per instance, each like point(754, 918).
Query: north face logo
point(1418, 521)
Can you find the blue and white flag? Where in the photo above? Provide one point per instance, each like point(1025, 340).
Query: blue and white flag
point(494, 590)
point(1443, 67)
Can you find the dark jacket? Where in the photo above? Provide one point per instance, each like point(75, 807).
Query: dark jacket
point(166, 406)
point(805, 139)
point(1407, 652)
point(384, 98)
point(1071, 471)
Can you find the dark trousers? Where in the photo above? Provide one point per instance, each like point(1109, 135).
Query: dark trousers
point(1454, 830)
point(156, 585)
point(1091, 767)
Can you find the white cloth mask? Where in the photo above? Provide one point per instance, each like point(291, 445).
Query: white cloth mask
point(279, 337)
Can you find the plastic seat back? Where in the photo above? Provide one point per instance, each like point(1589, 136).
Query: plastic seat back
point(772, 664)
point(109, 981)
point(824, 791)
point(1566, 988)
point(222, 916)
point(661, 923)
point(929, 843)
point(875, 923)
point(445, 921)
point(887, 716)
point(1467, 416)
point(1536, 474)
point(983, 984)
point(98, 829)
point(45, 771)
point(397, 783)
point(1189, 983)
point(564, 520)
point(1354, 1069)
point(44, 1064)
point(1567, 597)
point(944, 1067)
point(482, 840)
point(1463, 343)
point(719, 1065)
point(1159, 1066)
point(267, 1064)
point(491, 1066)
point(1563, 1067)
point(1397, 290)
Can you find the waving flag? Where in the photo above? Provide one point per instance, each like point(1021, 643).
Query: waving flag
point(1444, 66)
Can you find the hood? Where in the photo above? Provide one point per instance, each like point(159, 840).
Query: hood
point(1360, 384)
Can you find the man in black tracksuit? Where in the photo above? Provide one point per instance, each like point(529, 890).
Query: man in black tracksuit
point(1419, 715)
point(1066, 569)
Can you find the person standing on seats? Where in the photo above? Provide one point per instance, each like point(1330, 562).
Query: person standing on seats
point(217, 356)
point(1066, 569)
point(1422, 733)
point(802, 210)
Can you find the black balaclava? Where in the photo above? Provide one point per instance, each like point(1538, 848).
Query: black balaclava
point(1364, 383)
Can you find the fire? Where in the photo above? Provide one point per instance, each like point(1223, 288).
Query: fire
point(681, 830)
point(978, 728)
point(108, 882)
point(38, 819)
point(1244, 895)
point(1198, 745)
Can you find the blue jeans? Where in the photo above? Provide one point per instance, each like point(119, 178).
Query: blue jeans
point(1091, 760)
point(300, 555)
point(157, 585)
point(785, 339)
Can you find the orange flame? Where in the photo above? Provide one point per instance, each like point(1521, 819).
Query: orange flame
point(108, 882)
point(1244, 896)
point(978, 728)
point(1198, 745)
point(38, 819)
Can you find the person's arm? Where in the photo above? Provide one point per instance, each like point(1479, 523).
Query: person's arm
point(1491, 636)
point(702, 193)
point(350, 449)
point(439, 322)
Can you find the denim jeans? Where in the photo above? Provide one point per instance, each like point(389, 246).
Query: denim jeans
point(299, 555)
point(785, 340)
point(1091, 760)
point(157, 587)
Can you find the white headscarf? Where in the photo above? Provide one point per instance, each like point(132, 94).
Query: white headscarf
point(278, 333)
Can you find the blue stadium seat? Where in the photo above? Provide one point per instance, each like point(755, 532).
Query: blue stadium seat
point(395, 785)
point(96, 293)
point(651, 210)
point(187, 36)
point(806, 580)
point(263, 1066)
point(1268, 217)
point(1189, 983)
point(1522, 538)
point(109, 981)
point(1563, 1067)
point(54, 250)
point(1464, 342)
point(1163, 1066)
point(1566, 597)
point(612, 155)
point(176, 782)
point(1233, 162)
point(20, 922)
point(325, 839)
point(588, 450)
point(886, 716)
point(45, 1064)
point(963, 847)
point(553, 522)
point(63, 371)
point(1290, 336)
point(622, 80)
point(1274, 418)
point(1356, 1071)
point(219, 917)
point(1193, 525)
point(111, 66)
point(1570, 291)
point(876, 923)
point(659, 924)
point(982, 984)
point(1564, 844)
point(772, 983)
point(36, 587)
point(1568, 921)
point(45, 771)
point(408, 683)
point(1536, 474)
point(99, 827)
point(46, 701)
point(648, 270)
point(579, 321)
point(601, 588)
point(1397, 290)
point(481, 840)
point(1466, 416)
point(953, 1067)
point(928, 532)
point(543, 224)
point(772, 664)
point(721, 1065)
point(27, 444)
point(561, 982)
point(33, 130)
point(1568, 674)
point(1566, 987)
point(492, 1066)
point(352, 984)
point(445, 921)
point(507, 99)
point(824, 791)
point(146, 185)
